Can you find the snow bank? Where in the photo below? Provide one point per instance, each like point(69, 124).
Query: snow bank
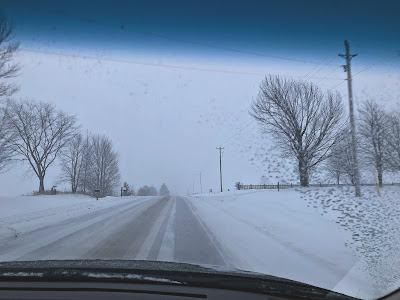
point(28, 204)
point(322, 236)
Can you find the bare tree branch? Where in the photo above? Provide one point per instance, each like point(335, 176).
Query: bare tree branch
point(103, 171)
point(72, 157)
point(373, 123)
point(392, 139)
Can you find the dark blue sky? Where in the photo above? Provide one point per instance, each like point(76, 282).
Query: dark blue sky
point(303, 30)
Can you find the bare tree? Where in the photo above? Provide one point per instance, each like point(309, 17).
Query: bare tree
point(304, 121)
point(104, 170)
point(6, 136)
point(336, 161)
point(343, 154)
point(373, 122)
point(42, 131)
point(392, 138)
point(72, 157)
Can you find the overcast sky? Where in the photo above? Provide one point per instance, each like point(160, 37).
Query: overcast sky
point(169, 81)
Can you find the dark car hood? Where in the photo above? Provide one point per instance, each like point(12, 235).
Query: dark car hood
point(161, 273)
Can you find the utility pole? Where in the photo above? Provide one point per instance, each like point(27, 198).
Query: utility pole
point(220, 164)
point(193, 187)
point(201, 187)
point(347, 68)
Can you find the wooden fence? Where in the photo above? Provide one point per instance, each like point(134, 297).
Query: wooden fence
point(287, 186)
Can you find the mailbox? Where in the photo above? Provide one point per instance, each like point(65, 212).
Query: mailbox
point(97, 193)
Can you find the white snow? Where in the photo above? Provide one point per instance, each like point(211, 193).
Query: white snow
point(130, 276)
point(18, 274)
point(27, 213)
point(321, 236)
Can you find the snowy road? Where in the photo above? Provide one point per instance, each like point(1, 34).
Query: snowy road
point(269, 232)
point(159, 228)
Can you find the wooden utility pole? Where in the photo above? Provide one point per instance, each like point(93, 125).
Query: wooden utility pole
point(220, 164)
point(347, 68)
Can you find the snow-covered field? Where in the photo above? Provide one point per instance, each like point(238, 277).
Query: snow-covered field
point(316, 235)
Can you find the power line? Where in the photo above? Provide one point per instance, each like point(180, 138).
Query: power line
point(168, 66)
point(323, 68)
point(244, 133)
point(227, 140)
point(334, 87)
point(379, 61)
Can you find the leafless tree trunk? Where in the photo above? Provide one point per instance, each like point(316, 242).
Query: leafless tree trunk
point(72, 162)
point(104, 169)
point(42, 132)
point(373, 122)
point(304, 121)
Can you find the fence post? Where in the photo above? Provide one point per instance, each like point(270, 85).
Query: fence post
point(291, 185)
point(320, 184)
point(278, 186)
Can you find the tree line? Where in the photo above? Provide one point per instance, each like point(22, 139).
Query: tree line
point(378, 132)
point(311, 127)
point(152, 191)
point(38, 133)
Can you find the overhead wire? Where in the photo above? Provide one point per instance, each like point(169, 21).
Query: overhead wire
point(379, 61)
point(231, 137)
point(162, 65)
